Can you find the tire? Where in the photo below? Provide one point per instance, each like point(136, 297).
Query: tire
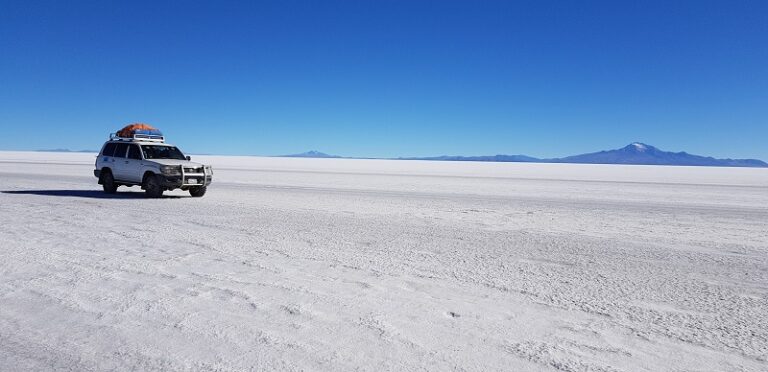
point(108, 183)
point(198, 191)
point(152, 186)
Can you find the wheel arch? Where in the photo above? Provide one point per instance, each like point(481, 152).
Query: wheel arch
point(102, 172)
point(146, 174)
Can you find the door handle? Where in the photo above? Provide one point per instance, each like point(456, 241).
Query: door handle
point(126, 162)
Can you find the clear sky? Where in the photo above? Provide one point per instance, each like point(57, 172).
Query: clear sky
point(389, 78)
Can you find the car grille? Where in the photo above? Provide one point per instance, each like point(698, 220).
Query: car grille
point(193, 170)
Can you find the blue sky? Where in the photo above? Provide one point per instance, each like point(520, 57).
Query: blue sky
point(388, 78)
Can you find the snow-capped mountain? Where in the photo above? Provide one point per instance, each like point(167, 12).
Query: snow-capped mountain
point(640, 153)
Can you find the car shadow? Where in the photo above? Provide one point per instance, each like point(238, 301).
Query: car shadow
point(93, 194)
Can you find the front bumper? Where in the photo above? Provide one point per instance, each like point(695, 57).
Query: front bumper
point(187, 180)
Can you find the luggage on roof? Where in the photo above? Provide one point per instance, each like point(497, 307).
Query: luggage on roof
point(139, 131)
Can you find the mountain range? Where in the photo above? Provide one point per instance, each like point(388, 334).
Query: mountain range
point(636, 153)
point(642, 154)
point(311, 154)
point(65, 150)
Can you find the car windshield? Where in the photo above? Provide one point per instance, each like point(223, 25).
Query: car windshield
point(161, 152)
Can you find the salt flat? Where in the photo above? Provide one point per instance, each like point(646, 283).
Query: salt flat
point(334, 264)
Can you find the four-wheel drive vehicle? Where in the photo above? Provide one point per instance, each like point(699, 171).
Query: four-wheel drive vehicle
point(140, 157)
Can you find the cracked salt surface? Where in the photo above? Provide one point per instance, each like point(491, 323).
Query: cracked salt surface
point(333, 264)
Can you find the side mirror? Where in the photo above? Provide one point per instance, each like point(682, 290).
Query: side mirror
point(189, 157)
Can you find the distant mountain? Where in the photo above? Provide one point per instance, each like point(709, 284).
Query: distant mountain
point(311, 154)
point(65, 150)
point(634, 153)
point(491, 158)
point(642, 154)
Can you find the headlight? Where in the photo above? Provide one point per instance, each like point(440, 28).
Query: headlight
point(170, 170)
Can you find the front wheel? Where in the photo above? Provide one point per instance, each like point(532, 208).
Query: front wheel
point(108, 183)
point(152, 186)
point(198, 191)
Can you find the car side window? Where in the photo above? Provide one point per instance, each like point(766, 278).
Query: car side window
point(120, 150)
point(109, 150)
point(133, 152)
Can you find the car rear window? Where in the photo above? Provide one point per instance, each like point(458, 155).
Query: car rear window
point(109, 150)
point(133, 152)
point(120, 150)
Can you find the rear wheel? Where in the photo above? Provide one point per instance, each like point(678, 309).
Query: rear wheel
point(197, 191)
point(152, 186)
point(108, 183)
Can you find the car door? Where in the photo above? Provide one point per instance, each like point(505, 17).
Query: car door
point(133, 164)
point(120, 162)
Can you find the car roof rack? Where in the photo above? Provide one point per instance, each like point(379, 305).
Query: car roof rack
point(138, 137)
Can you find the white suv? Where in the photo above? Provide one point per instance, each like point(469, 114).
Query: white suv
point(152, 164)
